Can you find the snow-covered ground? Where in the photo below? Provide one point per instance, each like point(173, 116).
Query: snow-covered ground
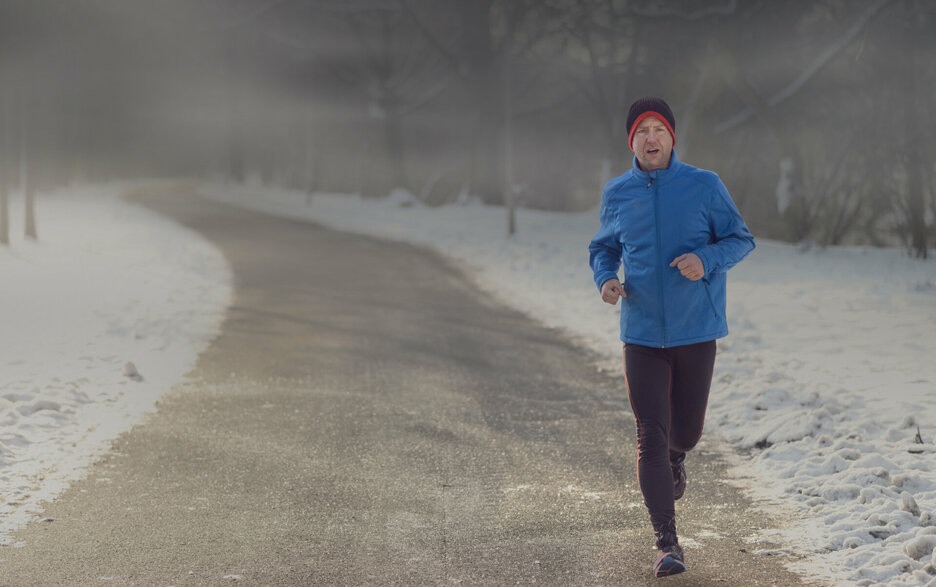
point(100, 317)
point(820, 388)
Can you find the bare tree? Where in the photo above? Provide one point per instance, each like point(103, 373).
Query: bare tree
point(611, 44)
point(900, 123)
point(841, 188)
point(484, 47)
point(380, 76)
point(915, 119)
point(5, 166)
point(790, 193)
point(813, 68)
point(513, 50)
point(29, 159)
point(384, 62)
point(235, 70)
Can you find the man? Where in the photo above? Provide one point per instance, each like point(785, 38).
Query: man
point(677, 232)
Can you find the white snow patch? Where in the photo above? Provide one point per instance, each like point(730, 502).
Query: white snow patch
point(109, 287)
point(820, 387)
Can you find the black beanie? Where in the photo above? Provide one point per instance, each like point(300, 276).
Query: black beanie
point(644, 108)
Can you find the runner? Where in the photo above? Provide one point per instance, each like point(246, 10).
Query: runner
point(677, 231)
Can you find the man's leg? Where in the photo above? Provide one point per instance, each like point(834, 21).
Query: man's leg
point(648, 373)
point(692, 380)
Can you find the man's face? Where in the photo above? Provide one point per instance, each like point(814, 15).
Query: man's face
point(653, 144)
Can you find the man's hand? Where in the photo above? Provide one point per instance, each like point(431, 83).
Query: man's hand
point(690, 265)
point(611, 290)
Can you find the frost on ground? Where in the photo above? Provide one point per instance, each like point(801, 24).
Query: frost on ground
point(100, 317)
point(820, 388)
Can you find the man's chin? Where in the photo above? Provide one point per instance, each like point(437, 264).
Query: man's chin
point(658, 161)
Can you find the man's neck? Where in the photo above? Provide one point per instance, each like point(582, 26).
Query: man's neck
point(665, 166)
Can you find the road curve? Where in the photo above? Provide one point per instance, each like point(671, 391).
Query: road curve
point(368, 416)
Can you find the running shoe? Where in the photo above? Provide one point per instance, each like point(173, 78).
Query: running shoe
point(679, 481)
point(670, 557)
point(669, 561)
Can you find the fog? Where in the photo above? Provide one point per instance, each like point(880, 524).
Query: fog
point(817, 115)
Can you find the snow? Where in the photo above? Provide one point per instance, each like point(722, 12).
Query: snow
point(818, 391)
point(101, 316)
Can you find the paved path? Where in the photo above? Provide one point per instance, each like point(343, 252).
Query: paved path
point(368, 416)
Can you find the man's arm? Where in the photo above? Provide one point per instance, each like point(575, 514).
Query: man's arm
point(733, 240)
point(605, 249)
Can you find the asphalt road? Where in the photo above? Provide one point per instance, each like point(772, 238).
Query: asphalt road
point(368, 416)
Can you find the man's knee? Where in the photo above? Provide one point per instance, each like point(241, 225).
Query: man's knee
point(684, 442)
point(652, 439)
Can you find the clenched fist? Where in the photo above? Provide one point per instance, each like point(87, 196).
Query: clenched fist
point(611, 290)
point(690, 266)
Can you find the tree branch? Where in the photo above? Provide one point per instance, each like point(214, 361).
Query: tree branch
point(810, 71)
point(237, 21)
point(433, 39)
point(428, 95)
point(354, 8)
point(727, 9)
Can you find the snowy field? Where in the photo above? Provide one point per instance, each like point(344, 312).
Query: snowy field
point(100, 317)
point(819, 389)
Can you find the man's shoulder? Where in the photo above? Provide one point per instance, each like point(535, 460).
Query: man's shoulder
point(618, 183)
point(699, 174)
point(703, 177)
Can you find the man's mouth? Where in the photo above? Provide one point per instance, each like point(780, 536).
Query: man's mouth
point(652, 151)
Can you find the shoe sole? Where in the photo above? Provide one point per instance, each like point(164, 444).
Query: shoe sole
point(669, 566)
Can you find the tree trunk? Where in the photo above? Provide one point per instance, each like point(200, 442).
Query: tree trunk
point(312, 176)
point(4, 208)
point(393, 136)
point(5, 168)
point(916, 203)
point(4, 214)
point(235, 102)
point(29, 187)
point(508, 148)
point(484, 83)
point(28, 173)
point(790, 201)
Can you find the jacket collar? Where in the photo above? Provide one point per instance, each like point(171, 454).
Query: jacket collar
point(658, 174)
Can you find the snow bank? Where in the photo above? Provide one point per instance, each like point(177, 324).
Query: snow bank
point(830, 375)
point(100, 317)
point(820, 388)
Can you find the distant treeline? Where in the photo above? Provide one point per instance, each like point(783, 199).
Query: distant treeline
point(820, 116)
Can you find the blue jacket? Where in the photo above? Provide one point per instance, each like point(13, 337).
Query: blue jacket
point(647, 220)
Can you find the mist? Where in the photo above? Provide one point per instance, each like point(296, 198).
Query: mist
point(818, 116)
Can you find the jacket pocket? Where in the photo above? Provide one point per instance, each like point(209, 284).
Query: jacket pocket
point(708, 294)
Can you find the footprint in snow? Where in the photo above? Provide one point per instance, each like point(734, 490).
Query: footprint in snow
point(130, 371)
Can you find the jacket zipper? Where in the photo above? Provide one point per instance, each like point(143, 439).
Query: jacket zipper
point(656, 226)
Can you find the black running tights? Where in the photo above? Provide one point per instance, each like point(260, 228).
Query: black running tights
point(668, 391)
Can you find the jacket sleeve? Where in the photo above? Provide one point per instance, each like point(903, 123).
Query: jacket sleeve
point(605, 249)
point(732, 239)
